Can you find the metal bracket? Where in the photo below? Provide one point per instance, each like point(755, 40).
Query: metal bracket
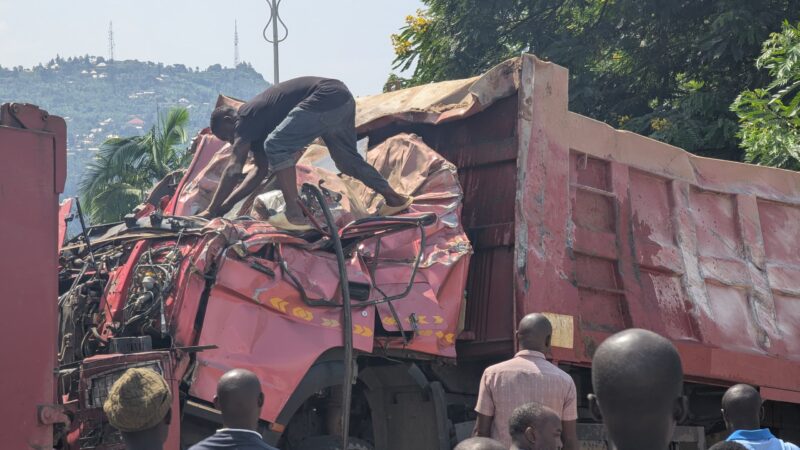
point(52, 414)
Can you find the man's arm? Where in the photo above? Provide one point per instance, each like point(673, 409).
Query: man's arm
point(229, 177)
point(484, 408)
point(569, 435)
point(483, 426)
point(251, 181)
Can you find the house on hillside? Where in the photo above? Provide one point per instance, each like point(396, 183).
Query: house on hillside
point(134, 124)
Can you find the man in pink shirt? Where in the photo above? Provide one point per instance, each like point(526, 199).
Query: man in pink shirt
point(527, 377)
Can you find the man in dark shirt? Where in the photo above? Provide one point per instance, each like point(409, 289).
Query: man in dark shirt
point(280, 122)
point(240, 399)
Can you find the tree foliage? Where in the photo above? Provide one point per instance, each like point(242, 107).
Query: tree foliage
point(664, 68)
point(125, 168)
point(770, 116)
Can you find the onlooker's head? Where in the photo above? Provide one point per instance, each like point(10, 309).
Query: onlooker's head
point(534, 333)
point(479, 443)
point(223, 122)
point(727, 445)
point(535, 427)
point(638, 384)
point(138, 405)
point(240, 399)
point(741, 408)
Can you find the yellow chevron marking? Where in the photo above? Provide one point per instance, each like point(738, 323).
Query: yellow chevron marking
point(302, 313)
point(330, 323)
point(278, 303)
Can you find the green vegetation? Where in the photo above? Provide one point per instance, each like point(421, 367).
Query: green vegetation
point(125, 168)
point(104, 99)
point(669, 70)
point(770, 116)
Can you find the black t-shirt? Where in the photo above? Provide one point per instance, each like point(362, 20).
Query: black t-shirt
point(259, 116)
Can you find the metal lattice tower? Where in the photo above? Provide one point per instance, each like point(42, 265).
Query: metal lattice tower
point(236, 60)
point(276, 22)
point(110, 41)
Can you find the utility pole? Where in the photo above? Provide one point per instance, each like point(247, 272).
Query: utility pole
point(110, 41)
point(276, 21)
point(235, 44)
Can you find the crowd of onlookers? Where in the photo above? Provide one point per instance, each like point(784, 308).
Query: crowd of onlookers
point(525, 403)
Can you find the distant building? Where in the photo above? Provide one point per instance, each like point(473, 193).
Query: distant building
point(135, 123)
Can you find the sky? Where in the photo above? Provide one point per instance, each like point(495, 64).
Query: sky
point(344, 39)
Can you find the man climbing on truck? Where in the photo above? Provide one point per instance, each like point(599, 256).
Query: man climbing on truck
point(276, 125)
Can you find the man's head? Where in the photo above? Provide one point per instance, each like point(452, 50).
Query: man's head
point(741, 408)
point(479, 443)
point(138, 405)
point(727, 445)
point(638, 384)
point(223, 123)
point(535, 427)
point(240, 399)
point(534, 333)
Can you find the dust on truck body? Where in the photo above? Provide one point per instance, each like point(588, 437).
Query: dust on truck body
point(522, 207)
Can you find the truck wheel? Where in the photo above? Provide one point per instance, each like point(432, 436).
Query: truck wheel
point(333, 443)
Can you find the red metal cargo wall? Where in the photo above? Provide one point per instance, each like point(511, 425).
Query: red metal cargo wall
point(484, 148)
point(31, 177)
point(614, 230)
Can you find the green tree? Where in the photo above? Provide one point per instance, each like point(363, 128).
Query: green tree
point(664, 68)
point(769, 117)
point(125, 168)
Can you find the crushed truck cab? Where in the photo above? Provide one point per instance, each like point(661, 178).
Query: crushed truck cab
point(520, 206)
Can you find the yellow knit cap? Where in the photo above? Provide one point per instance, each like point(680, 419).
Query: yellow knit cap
point(138, 400)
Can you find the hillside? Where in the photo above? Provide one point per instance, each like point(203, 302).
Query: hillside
point(101, 98)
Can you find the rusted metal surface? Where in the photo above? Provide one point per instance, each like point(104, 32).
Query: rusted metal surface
point(614, 230)
point(624, 231)
point(33, 148)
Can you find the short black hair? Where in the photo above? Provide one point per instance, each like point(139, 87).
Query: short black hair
point(636, 369)
point(727, 445)
point(525, 416)
point(742, 402)
point(218, 116)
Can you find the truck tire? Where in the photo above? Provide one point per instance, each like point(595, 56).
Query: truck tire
point(333, 443)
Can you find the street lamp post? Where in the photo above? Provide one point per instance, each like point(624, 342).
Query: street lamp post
point(276, 21)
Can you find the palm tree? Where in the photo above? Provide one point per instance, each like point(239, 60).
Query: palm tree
point(126, 168)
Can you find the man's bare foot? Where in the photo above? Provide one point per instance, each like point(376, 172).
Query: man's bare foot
point(295, 215)
point(297, 219)
point(396, 199)
point(390, 209)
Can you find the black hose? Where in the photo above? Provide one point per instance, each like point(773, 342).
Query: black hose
point(347, 318)
point(85, 232)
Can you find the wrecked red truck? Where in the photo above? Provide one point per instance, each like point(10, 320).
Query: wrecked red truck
point(522, 206)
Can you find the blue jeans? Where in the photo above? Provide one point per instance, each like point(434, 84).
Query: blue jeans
point(337, 128)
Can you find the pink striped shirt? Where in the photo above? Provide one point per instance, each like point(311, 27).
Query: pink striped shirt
point(527, 377)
